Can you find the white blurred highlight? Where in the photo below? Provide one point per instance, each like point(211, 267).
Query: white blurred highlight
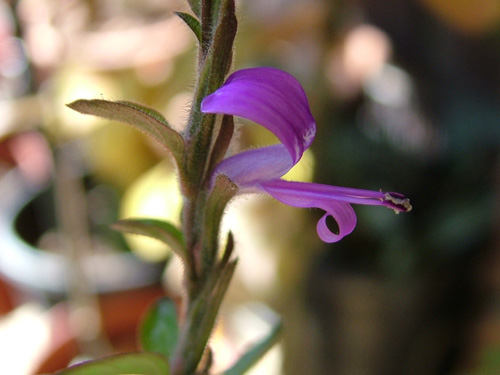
point(361, 55)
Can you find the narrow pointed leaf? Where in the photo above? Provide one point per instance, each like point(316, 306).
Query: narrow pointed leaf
point(222, 141)
point(159, 331)
point(223, 36)
point(228, 250)
point(192, 22)
point(195, 6)
point(157, 229)
point(252, 356)
point(220, 195)
point(143, 119)
point(206, 25)
point(216, 5)
point(122, 364)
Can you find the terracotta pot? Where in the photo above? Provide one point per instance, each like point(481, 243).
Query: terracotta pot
point(7, 302)
point(120, 313)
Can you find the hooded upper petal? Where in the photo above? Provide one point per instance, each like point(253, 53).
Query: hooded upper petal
point(271, 98)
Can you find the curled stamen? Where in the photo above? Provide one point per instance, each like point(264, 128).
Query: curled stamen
point(398, 202)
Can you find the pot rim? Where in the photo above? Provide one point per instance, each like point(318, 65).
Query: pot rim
point(50, 273)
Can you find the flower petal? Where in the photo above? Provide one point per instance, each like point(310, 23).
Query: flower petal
point(336, 201)
point(271, 98)
point(344, 215)
point(318, 192)
point(306, 195)
point(249, 168)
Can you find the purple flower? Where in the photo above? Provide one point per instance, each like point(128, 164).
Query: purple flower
point(276, 100)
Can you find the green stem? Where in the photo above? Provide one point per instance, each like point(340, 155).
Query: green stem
point(206, 278)
point(201, 317)
point(206, 22)
point(212, 73)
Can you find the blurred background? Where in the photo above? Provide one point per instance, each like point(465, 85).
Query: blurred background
point(406, 94)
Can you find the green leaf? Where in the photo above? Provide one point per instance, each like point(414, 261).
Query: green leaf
point(228, 250)
point(144, 119)
point(122, 364)
point(159, 330)
point(192, 22)
point(252, 356)
point(216, 5)
point(222, 141)
point(223, 36)
point(157, 229)
point(220, 195)
point(207, 22)
point(195, 6)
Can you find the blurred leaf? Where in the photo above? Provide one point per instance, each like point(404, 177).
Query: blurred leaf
point(157, 229)
point(159, 330)
point(122, 364)
point(144, 119)
point(192, 22)
point(252, 356)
